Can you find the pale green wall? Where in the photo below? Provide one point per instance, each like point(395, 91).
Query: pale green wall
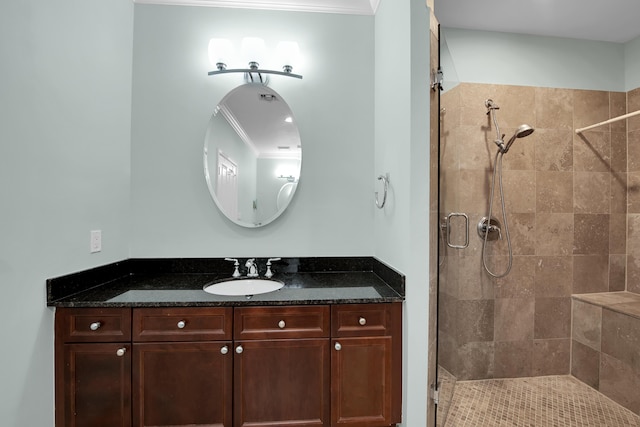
point(517, 59)
point(65, 91)
point(172, 213)
point(632, 64)
point(402, 150)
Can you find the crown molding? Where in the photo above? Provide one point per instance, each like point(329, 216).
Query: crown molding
point(349, 7)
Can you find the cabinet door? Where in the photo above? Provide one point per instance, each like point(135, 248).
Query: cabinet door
point(182, 384)
point(97, 385)
point(282, 382)
point(361, 387)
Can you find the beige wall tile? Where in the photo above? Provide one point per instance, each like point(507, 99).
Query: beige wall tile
point(476, 360)
point(620, 382)
point(513, 359)
point(633, 104)
point(618, 107)
point(587, 324)
point(617, 273)
point(590, 107)
point(514, 319)
point(519, 283)
point(585, 364)
point(592, 192)
point(554, 150)
point(554, 234)
point(553, 276)
point(621, 338)
point(590, 273)
point(552, 318)
point(554, 192)
point(554, 108)
point(551, 357)
point(591, 234)
point(633, 147)
point(592, 151)
point(475, 321)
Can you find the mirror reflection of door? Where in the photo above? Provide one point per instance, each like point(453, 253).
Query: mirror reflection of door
point(227, 185)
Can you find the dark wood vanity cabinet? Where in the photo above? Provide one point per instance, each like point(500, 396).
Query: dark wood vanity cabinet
point(93, 367)
point(366, 365)
point(182, 367)
point(282, 366)
point(313, 365)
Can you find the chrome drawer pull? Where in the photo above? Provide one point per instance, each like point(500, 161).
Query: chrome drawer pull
point(281, 324)
point(182, 324)
point(121, 351)
point(362, 321)
point(95, 326)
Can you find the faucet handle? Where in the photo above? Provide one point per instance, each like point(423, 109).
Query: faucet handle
point(269, 273)
point(236, 264)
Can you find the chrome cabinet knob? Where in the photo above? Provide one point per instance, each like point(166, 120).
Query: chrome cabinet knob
point(95, 326)
point(338, 346)
point(182, 324)
point(121, 351)
point(362, 321)
point(239, 349)
point(224, 350)
point(281, 324)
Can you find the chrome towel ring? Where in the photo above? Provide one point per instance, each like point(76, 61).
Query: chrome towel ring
point(385, 182)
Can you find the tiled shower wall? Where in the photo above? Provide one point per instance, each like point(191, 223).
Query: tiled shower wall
point(566, 198)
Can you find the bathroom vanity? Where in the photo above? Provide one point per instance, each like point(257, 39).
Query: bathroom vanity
point(325, 350)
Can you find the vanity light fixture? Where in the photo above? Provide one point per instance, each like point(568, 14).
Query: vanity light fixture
point(254, 51)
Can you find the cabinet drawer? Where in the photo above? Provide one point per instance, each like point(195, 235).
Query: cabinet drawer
point(281, 322)
point(94, 324)
point(182, 324)
point(356, 320)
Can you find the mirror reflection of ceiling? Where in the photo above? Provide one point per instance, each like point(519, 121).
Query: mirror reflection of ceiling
point(599, 20)
point(263, 121)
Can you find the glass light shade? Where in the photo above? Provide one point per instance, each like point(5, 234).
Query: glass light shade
point(288, 53)
point(253, 49)
point(220, 51)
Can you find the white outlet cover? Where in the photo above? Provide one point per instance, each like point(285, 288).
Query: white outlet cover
point(95, 243)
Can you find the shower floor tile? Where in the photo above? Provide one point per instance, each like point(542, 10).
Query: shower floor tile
point(554, 401)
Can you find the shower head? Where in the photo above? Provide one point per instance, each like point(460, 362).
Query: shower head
point(521, 132)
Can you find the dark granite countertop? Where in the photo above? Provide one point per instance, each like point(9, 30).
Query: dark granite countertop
point(180, 282)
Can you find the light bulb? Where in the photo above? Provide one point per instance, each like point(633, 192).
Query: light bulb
point(220, 51)
point(288, 54)
point(253, 49)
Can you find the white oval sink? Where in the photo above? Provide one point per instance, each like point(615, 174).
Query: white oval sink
point(237, 287)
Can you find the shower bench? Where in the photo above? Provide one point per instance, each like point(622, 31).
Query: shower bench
point(605, 344)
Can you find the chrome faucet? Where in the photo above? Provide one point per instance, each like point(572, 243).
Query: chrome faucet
point(252, 268)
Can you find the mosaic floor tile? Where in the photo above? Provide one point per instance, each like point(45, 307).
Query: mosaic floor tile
point(553, 401)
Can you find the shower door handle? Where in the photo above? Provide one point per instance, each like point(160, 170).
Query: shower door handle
point(466, 229)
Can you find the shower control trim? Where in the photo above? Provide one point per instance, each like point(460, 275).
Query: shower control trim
point(493, 226)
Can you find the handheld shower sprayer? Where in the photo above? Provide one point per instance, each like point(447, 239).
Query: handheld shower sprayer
point(522, 131)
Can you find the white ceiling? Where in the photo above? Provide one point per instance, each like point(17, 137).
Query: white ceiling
point(603, 20)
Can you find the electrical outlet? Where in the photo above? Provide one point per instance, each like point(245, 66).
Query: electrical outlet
point(95, 243)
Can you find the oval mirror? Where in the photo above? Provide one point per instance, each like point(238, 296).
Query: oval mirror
point(252, 155)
